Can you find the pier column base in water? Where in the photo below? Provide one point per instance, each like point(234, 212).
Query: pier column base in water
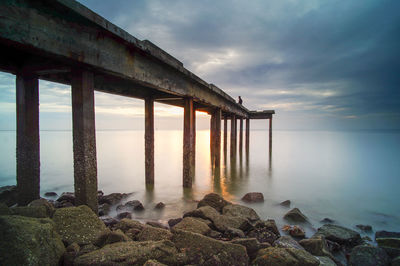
point(270, 135)
point(188, 147)
point(149, 141)
point(215, 138)
point(225, 134)
point(84, 139)
point(241, 135)
point(247, 133)
point(28, 147)
point(233, 136)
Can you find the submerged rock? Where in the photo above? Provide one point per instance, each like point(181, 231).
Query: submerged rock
point(285, 203)
point(202, 250)
point(124, 215)
point(213, 200)
point(159, 206)
point(172, 222)
point(339, 234)
point(50, 194)
point(327, 221)
point(295, 215)
point(368, 256)
point(29, 241)
point(252, 197)
point(237, 210)
point(78, 224)
point(365, 228)
point(131, 253)
point(68, 197)
point(193, 225)
point(112, 198)
point(285, 257)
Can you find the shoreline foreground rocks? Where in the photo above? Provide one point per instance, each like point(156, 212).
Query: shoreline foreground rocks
point(217, 232)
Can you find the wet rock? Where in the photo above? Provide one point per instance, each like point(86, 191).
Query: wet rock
point(67, 196)
point(134, 205)
point(223, 222)
point(153, 263)
point(325, 261)
point(4, 210)
point(214, 234)
point(213, 200)
point(193, 225)
point(269, 225)
point(202, 250)
point(327, 221)
point(285, 257)
point(62, 204)
point(263, 235)
point(70, 254)
point(50, 194)
point(296, 216)
point(29, 241)
point(317, 246)
point(8, 195)
point(232, 233)
point(108, 220)
point(150, 233)
point(389, 241)
point(131, 253)
point(252, 197)
point(112, 198)
point(159, 206)
point(207, 222)
point(104, 209)
point(43, 202)
point(285, 203)
point(78, 224)
point(124, 215)
point(339, 234)
point(109, 237)
point(368, 256)
point(156, 224)
point(286, 242)
point(34, 212)
point(295, 231)
point(172, 222)
point(127, 224)
point(365, 228)
point(205, 212)
point(251, 244)
point(237, 210)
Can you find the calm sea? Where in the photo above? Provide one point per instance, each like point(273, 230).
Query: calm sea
point(350, 177)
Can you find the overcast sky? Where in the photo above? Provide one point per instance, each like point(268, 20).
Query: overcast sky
point(323, 64)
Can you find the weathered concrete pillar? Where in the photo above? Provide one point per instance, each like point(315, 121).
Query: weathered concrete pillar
point(84, 138)
point(270, 134)
point(247, 133)
point(149, 140)
point(241, 136)
point(215, 138)
point(194, 139)
point(225, 133)
point(233, 135)
point(28, 147)
point(188, 126)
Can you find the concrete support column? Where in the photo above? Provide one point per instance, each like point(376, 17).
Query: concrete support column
point(225, 133)
point(84, 139)
point(241, 135)
point(28, 146)
point(149, 140)
point(194, 139)
point(270, 134)
point(215, 138)
point(233, 135)
point(188, 149)
point(247, 133)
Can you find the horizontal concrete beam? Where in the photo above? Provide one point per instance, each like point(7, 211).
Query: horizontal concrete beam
point(266, 114)
point(69, 34)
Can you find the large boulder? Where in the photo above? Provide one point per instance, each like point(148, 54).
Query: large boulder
point(202, 250)
point(251, 244)
point(287, 242)
point(368, 256)
point(29, 241)
point(4, 210)
point(389, 241)
point(43, 203)
point(285, 257)
point(339, 234)
point(127, 224)
point(193, 225)
point(213, 200)
point(131, 253)
point(150, 233)
point(8, 195)
point(111, 237)
point(295, 216)
point(34, 212)
point(269, 225)
point(317, 246)
point(205, 212)
point(237, 210)
point(252, 197)
point(78, 224)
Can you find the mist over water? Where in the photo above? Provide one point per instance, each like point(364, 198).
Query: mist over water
point(350, 177)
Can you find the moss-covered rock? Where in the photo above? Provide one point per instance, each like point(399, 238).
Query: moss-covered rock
point(202, 250)
point(251, 244)
point(127, 224)
point(339, 234)
point(29, 241)
point(205, 212)
point(213, 200)
point(153, 263)
point(285, 257)
point(4, 210)
point(237, 210)
point(150, 233)
point(111, 237)
point(43, 203)
point(131, 253)
point(78, 224)
point(34, 212)
point(193, 225)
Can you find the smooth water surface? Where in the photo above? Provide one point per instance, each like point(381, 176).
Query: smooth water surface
point(351, 177)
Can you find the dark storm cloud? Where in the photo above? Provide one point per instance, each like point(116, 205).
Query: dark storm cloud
point(337, 57)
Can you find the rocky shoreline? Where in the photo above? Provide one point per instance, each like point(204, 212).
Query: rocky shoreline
point(217, 232)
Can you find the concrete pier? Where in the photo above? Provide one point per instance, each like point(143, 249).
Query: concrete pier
point(84, 139)
point(28, 147)
point(149, 140)
point(233, 136)
point(188, 149)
